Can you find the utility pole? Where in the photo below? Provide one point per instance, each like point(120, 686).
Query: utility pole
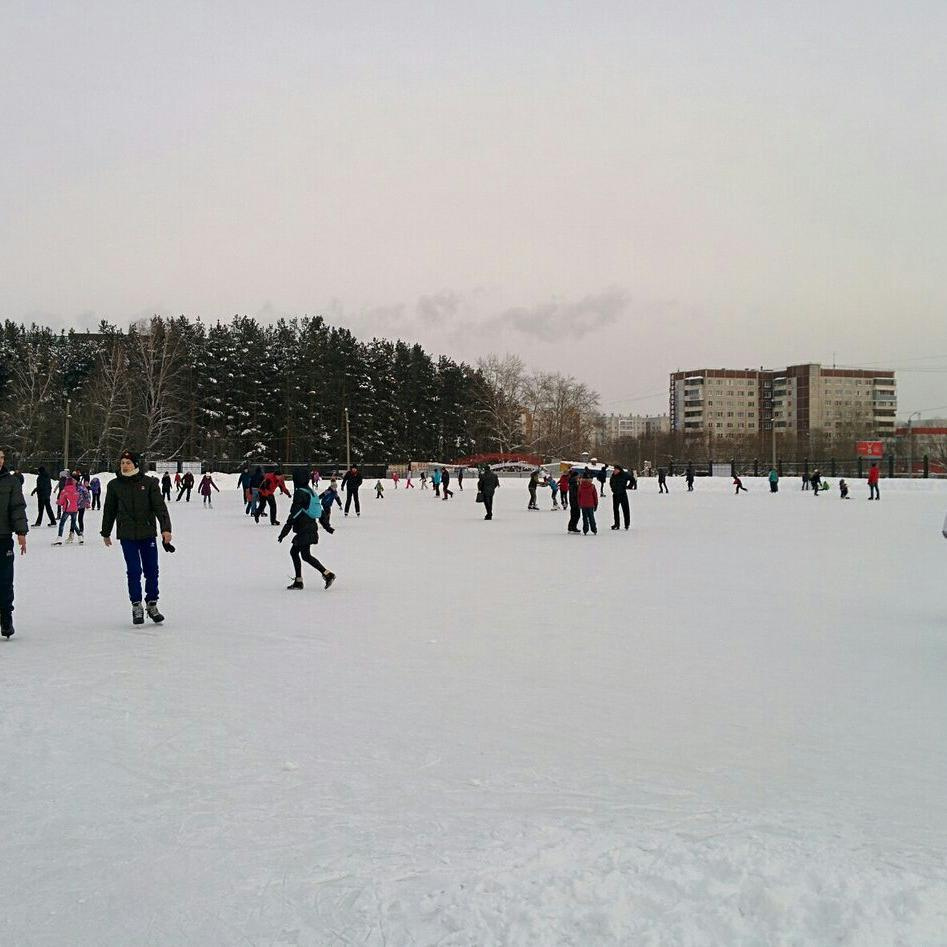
point(348, 445)
point(65, 445)
point(911, 443)
point(774, 442)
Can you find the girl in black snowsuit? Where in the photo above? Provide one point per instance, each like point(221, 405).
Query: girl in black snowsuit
point(305, 532)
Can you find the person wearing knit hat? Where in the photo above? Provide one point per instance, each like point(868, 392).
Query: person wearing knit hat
point(133, 503)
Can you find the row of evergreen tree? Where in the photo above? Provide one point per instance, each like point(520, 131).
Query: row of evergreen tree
point(230, 392)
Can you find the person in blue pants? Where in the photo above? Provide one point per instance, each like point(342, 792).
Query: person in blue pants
point(133, 503)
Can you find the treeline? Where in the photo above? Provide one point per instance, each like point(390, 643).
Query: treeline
point(244, 391)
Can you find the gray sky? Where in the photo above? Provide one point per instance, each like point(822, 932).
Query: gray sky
point(611, 189)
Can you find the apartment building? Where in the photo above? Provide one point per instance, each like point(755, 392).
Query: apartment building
point(613, 426)
point(797, 399)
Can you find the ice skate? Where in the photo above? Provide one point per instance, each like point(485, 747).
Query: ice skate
point(295, 584)
point(329, 577)
point(154, 614)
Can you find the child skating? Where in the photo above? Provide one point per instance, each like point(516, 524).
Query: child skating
point(379, 491)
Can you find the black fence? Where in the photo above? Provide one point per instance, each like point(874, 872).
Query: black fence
point(856, 467)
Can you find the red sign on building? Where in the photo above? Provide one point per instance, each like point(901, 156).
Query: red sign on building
point(869, 449)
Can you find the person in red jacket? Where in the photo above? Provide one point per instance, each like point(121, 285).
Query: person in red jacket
point(564, 490)
point(588, 503)
point(874, 475)
point(271, 483)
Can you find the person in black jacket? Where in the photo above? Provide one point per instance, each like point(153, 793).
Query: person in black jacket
point(351, 482)
point(574, 511)
point(43, 491)
point(166, 487)
point(601, 475)
point(13, 520)
point(187, 485)
point(620, 481)
point(487, 485)
point(133, 502)
point(689, 477)
point(305, 532)
point(445, 483)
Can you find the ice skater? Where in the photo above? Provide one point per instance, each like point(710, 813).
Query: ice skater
point(773, 480)
point(305, 512)
point(329, 496)
point(133, 503)
point(166, 487)
point(531, 487)
point(187, 485)
point(662, 480)
point(620, 482)
point(68, 503)
point(95, 488)
point(874, 475)
point(13, 521)
point(487, 485)
point(350, 483)
point(738, 483)
point(204, 489)
point(843, 490)
point(588, 503)
point(689, 477)
point(43, 491)
point(85, 502)
point(379, 491)
point(445, 483)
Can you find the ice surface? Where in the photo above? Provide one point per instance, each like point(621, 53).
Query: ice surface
point(726, 726)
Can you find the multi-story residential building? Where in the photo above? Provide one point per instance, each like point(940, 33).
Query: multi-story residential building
point(797, 399)
point(611, 427)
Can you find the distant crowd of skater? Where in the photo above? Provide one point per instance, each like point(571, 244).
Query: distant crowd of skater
point(136, 506)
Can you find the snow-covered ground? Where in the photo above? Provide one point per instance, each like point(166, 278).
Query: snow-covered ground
point(727, 726)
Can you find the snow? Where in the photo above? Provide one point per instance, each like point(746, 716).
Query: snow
point(726, 726)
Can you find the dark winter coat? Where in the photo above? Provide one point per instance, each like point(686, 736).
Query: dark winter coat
point(256, 479)
point(12, 506)
point(44, 485)
point(574, 490)
point(352, 480)
point(445, 478)
point(299, 521)
point(244, 480)
point(620, 481)
point(134, 504)
point(602, 474)
point(187, 481)
point(689, 473)
point(488, 483)
point(329, 496)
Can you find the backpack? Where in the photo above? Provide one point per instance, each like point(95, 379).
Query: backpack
point(314, 509)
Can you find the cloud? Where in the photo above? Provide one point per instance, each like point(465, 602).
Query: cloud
point(556, 320)
point(438, 308)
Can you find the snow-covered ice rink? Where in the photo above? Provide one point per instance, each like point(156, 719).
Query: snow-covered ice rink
point(727, 726)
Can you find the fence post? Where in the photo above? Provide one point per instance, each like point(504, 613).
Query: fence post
point(733, 467)
point(671, 467)
point(779, 467)
point(891, 466)
point(805, 467)
point(927, 467)
point(756, 467)
point(860, 472)
point(710, 466)
point(832, 466)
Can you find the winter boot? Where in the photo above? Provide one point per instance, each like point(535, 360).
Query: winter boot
point(6, 625)
point(295, 584)
point(138, 613)
point(70, 538)
point(81, 539)
point(329, 577)
point(57, 542)
point(153, 613)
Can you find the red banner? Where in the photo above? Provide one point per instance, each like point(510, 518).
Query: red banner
point(869, 449)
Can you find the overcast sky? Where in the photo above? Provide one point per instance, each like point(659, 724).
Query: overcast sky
point(614, 190)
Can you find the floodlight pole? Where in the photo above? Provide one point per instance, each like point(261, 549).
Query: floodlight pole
point(348, 446)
